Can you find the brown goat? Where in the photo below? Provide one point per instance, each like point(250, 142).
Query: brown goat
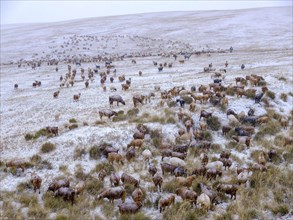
point(226, 129)
point(114, 179)
point(112, 193)
point(205, 114)
point(284, 122)
point(158, 181)
point(135, 143)
point(225, 154)
point(52, 130)
point(129, 207)
point(165, 202)
point(226, 162)
point(66, 193)
point(228, 189)
point(138, 99)
point(187, 194)
point(102, 175)
point(138, 135)
point(36, 181)
point(108, 113)
point(130, 154)
point(56, 94)
point(113, 156)
point(192, 107)
point(125, 87)
point(58, 184)
point(152, 169)
point(185, 181)
point(125, 178)
point(188, 124)
point(76, 97)
point(137, 195)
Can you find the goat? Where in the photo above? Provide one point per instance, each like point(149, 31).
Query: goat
point(167, 201)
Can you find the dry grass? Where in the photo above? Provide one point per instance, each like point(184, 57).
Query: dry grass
point(10, 212)
point(21, 187)
point(28, 200)
point(37, 212)
point(85, 123)
point(214, 123)
point(104, 166)
point(249, 94)
point(107, 209)
point(95, 152)
point(207, 136)
point(171, 104)
point(79, 153)
point(72, 120)
point(93, 186)
point(63, 168)
point(183, 210)
point(282, 79)
point(157, 137)
point(54, 204)
point(62, 217)
point(136, 216)
point(170, 186)
point(47, 147)
point(120, 116)
point(39, 133)
point(284, 97)
point(28, 136)
point(265, 186)
point(79, 174)
point(270, 128)
point(73, 126)
point(230, 91)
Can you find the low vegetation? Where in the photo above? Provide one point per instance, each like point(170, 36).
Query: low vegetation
point(270, 128)
point(72, 120)
point(36, 135)
point(271, 94)
point(47, 147)
point(214, 123)
point(284, 97)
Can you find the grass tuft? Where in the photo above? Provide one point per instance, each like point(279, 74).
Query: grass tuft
point(95, 152)
point(270, 128)
point(47, 147)
point(28, 136)
point(73, 126)
point(271, 94)
point(78, 153)
point(72, 120)
point(93, 186)
point(104, 166)
point(214, 123)
point(284, 97)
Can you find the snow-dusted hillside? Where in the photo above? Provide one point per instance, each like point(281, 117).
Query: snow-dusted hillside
point(253, 29)
point(262, 40)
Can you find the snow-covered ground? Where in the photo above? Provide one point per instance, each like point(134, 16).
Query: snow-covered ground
point(262, 40)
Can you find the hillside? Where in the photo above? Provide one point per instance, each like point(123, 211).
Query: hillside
point(154, 33)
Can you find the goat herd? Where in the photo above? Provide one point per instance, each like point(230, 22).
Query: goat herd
point(202, 195)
